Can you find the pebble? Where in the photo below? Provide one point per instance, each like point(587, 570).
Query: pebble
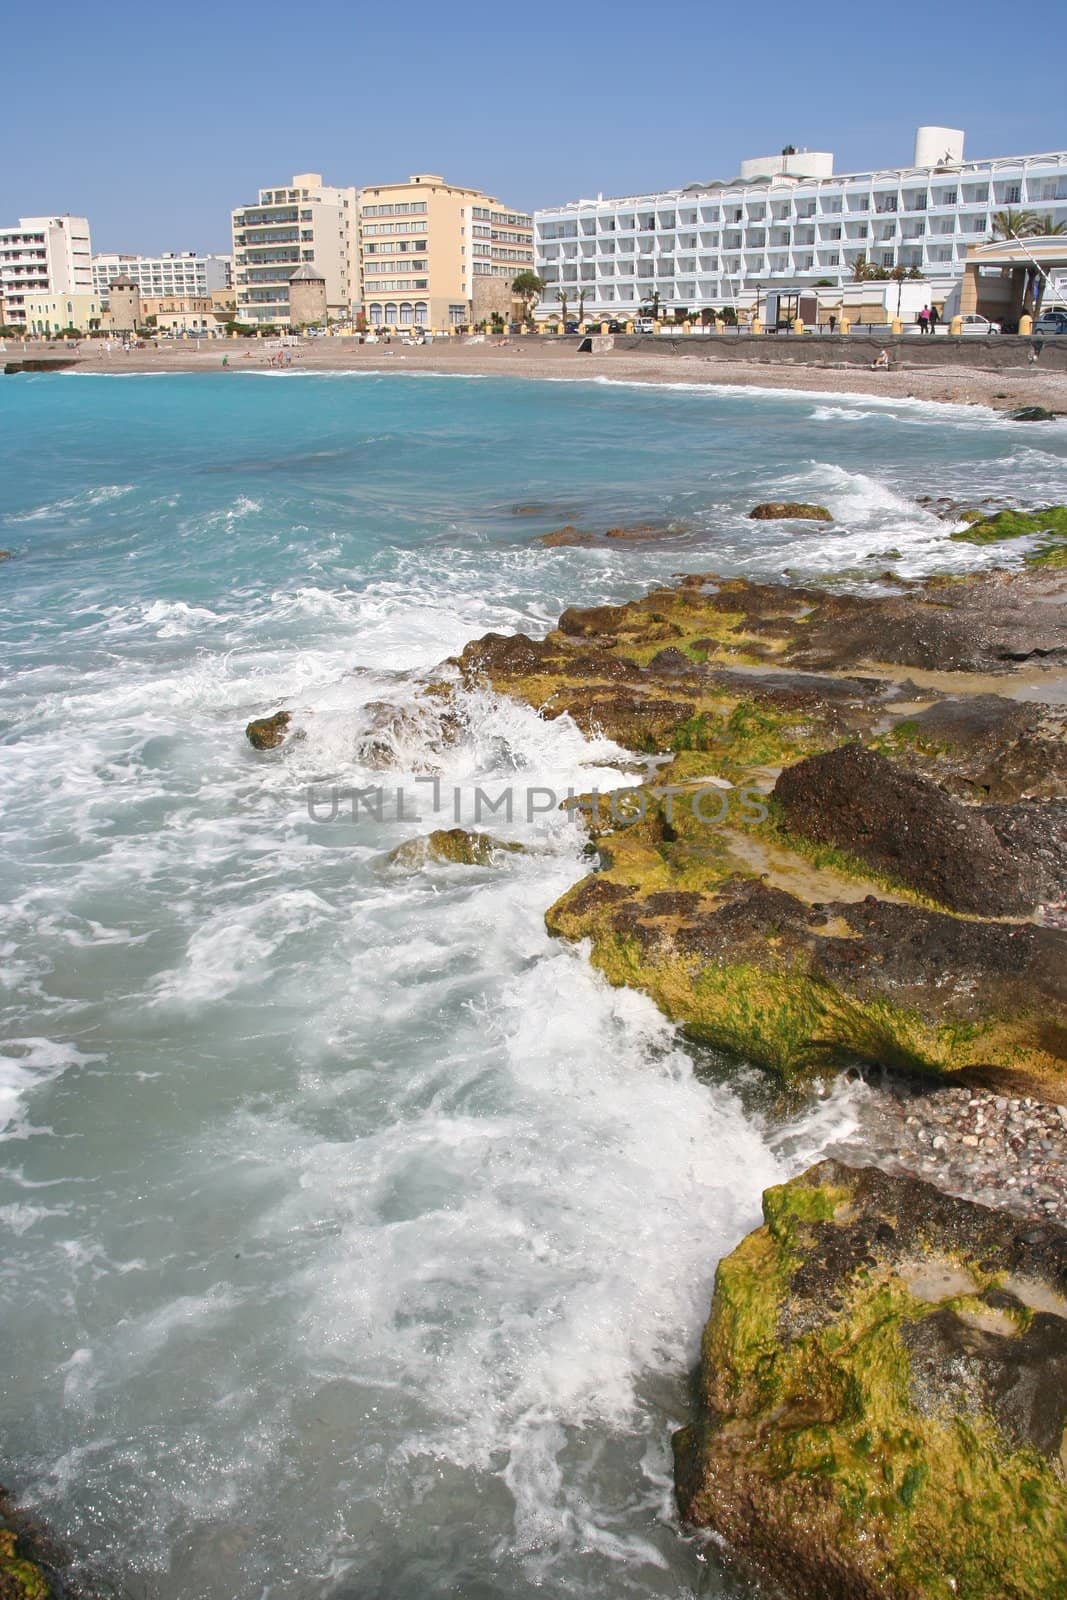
point(995, 1149)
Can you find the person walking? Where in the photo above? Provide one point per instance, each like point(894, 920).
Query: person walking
point(935, 318)
point(832, 320)
point(923, 319)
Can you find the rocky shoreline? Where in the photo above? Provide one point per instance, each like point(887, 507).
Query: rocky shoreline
point(848, 851)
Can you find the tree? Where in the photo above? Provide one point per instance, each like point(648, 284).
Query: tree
point(1015, 224)
point(581, 305)
point(1049, 229)
point(561, 296)
point(529, 288)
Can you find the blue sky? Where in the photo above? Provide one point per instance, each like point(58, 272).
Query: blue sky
point(155, 121)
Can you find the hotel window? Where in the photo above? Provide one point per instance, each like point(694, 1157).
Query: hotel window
point(407, 314)
point(390, 312)
point(375, 315)
point(422, 313)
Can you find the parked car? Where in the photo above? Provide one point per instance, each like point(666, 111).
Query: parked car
point(1051, 322)
point(571, 327)
point(972, 323)
point(614, 327)
point(644, 325)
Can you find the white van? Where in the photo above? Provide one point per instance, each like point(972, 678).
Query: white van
point(644, 325)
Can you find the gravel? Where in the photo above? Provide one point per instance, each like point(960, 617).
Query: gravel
point(995, 1149)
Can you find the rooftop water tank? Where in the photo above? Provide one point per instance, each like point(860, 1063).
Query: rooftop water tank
point(938, 147)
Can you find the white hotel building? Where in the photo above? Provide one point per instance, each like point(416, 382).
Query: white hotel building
point(787, 220)
point(43, 256)
point(176, 274)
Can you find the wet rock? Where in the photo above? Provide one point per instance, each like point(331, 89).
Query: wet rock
point(585, 622)
point(882, 1396)
point(413, 734)
point(34, 1565)
point(267, 733)
point(506, 655)
point(1048, 525)
point(752, 969)
point(987, 747)
point(1036, 832)
point(781, 510)
point(988, 623)
point(906, 827)
point(642, 532)
point(567, 535)
point(452, 846)
point(1033, 414)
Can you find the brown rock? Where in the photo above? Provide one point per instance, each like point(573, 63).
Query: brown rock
point(267, 733)
point(906, 827)
point(782, 510)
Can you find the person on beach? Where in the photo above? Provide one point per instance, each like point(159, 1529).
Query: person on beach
point(923, 319)
point(935, 318)
point(882, 363)
point(225, 361)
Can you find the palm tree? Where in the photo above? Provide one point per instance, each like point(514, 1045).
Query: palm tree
point(581, 305)
point(1047, 229)
point(1015, 224)
point(561, 296)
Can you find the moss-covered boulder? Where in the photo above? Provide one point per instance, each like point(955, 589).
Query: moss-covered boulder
point(789, 510)
point(267, 733)
point(452, 847)
point(1047, 525)
point(907, 826)
point(1033, 414)
point(883, 1395)
point(799, 988)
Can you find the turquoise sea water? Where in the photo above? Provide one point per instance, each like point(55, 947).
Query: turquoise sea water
point(356, 1237)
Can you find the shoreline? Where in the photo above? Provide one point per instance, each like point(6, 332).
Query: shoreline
point(1001, 390)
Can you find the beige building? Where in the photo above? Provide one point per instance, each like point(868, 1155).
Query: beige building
point(306, 221)
point(183, 313)
point(437, 255)
point(47, 314)
point(40, 258)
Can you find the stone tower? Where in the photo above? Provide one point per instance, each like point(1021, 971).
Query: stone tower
point(307, 297)
point(124, 301)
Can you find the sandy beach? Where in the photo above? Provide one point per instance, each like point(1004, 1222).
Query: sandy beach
point(677, 362)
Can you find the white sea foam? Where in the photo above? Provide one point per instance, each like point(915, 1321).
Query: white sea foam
point(26, 1064)
point(73, 507)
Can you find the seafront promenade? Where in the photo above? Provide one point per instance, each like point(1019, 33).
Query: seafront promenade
point(996, 372)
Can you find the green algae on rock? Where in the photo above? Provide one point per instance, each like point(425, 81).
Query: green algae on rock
point(452, 846)
point(1048, 524)
point(789, 510)
point(883, 1395)
point(20, 1579)
point(798, 988)
point(802, 953)
point(267, 733)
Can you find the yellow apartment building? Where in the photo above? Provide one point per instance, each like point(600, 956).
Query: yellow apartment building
point(437, 255)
